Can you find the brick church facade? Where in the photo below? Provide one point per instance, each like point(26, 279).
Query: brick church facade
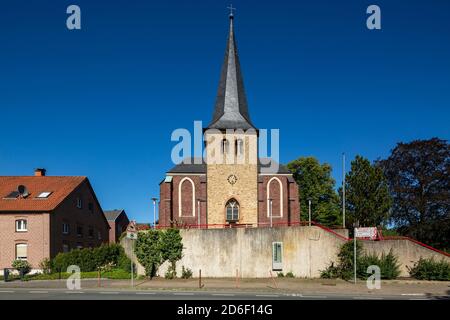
point(230, 186)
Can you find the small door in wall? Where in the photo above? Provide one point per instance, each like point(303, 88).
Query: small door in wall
point(277, 256)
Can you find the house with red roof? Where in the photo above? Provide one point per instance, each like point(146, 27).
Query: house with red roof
point(41, 216)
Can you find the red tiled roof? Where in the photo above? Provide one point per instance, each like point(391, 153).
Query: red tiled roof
point(60, 187)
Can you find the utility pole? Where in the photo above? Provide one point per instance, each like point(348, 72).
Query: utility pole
point(343, 190)
point(309, 210)
point(154, 212)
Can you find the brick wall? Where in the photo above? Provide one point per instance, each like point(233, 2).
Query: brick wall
point(90, 216)
point(37, 237)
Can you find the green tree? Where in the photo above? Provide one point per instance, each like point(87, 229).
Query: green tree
point(316, 184)
point(418, 175)
point(171, 248)
point(148, 251)
point(367, 195)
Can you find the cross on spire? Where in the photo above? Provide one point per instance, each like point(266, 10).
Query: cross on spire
point(231, 10)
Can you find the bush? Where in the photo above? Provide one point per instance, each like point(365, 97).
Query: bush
point(290, 275)
point(171, 272)
point(428, 269)
point(22, 266)
point(388, 263)
point(46, 265)
point(280, 275)
point(331, 272)
point(186, 273)
point(105, 257)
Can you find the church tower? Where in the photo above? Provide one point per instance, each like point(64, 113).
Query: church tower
point(231, 151)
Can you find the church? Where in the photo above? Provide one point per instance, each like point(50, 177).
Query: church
point(229, 186)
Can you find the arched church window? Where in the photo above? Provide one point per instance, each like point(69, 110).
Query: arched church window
point(232, 210)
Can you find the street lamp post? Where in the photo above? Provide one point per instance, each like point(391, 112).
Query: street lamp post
point(198, 213)
point(270, 212)
point(343, 190)
point(154, 212)
point(309, 211)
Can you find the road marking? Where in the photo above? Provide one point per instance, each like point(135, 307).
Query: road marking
point(319, 297)
point(38, 291)
point(5, 291)
point(419, 299)
point(74, 292)
point(367, 298)
point(268, 295)
point(183, 294)
point(145, 293)
point(223, 294)
point(108, 292)
point(413, 294)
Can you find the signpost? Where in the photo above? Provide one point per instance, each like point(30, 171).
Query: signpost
point(364, 233)
point(132, 235)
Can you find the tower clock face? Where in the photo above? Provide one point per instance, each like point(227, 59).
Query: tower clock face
point(232, 179)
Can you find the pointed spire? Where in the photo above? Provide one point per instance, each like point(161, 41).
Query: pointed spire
point(231, 111)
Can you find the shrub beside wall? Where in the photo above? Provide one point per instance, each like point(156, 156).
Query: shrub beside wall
point(93, 259)
point(429, 269)
point(344, 268)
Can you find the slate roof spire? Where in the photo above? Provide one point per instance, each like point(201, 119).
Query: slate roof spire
point(231, 110)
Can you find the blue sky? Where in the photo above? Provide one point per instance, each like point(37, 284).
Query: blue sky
point(102, 101)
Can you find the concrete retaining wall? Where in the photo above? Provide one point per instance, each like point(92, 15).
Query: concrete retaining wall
point(306, 251)
point(220, 252)
point(407, 252)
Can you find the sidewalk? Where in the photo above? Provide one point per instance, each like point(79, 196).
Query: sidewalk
point(293, 286)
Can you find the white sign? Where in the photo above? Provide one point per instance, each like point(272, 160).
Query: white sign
point(370, 233)
point(132, 235)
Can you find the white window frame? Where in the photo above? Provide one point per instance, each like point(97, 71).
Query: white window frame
point(21, 245)
point(21, 225)
point(66, 228)
point(79, 203)
point(234, 210)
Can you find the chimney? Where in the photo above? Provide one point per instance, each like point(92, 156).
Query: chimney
point(39, 172)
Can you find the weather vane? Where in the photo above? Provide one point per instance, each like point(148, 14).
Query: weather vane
point(231, 9)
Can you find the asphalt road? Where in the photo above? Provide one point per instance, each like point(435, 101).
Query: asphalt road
point(98, 294)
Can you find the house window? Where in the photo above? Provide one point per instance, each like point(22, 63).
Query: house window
point(79, 245)
point(91, 207)
point(65, 248)
point(232, 210)
point(79, 231)
point(66, 228)
point(79, 203)
point(21, 251)
point(99, 235)
point(277, 256)
point(21, 225)
point(91, 233)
